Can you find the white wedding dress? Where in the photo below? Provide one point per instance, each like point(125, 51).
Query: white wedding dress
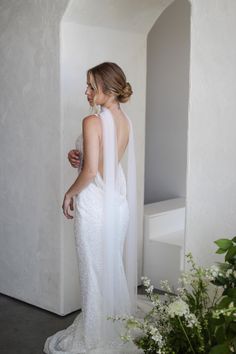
point(83, 335)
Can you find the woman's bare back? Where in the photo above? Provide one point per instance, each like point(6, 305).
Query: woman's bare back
point(122, 131)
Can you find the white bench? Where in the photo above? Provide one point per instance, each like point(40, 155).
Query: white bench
point(163, 251)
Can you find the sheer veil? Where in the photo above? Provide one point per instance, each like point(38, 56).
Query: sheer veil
point(111, 302)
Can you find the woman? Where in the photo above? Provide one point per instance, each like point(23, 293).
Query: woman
point(105, 220)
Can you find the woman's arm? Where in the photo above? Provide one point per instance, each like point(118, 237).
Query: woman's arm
point(90, 163)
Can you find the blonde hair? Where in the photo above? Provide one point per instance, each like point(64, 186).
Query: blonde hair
point(112, 79)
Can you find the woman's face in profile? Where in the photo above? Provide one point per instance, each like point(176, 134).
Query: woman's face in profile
point(90, 92)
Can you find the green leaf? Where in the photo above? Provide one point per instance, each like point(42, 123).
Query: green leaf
point(224, 243)
point(234, 343)
point(220, 334)
point(234, 239)
point(220, 251)
point(232, 293)
point(231, 253)
point(232, 326)
point(223, 266)
point(220, 349)
point(214, 322)
point(224, 303)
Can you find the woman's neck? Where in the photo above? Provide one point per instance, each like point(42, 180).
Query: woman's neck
point(112, 106)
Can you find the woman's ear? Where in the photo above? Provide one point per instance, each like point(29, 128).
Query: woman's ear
point(112, 96)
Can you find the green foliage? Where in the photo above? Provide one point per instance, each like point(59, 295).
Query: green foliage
point(228, 247)
point(225, 309)
point(190, 321)
point(220, 349)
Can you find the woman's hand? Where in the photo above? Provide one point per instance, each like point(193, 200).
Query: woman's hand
point(68, 205)
point(73, 157)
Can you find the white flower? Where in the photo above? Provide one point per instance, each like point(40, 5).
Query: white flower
point(156, 336)
point(165, 285)
point(178, 308)
point(156, 301)
point(150, 289)
point(229, 272)
point(191, 320)
point(181, 292)
point(146, 281)
point(214, 271)
point(185, 279)
point(153, 330)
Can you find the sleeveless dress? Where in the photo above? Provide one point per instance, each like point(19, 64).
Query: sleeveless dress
point(82, 336)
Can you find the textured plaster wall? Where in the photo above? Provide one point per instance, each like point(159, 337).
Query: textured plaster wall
point(211, 177)
point(168, 52)
point(30, 197)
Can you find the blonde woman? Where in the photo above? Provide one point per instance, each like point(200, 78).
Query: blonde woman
point(104, 202)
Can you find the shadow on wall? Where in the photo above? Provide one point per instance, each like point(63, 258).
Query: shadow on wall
point(168, 56)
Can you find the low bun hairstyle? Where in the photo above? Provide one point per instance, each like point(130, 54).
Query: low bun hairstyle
point(112, 79)
point(125, 94)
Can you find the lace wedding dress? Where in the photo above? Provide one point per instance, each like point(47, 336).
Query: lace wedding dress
point(84, 334)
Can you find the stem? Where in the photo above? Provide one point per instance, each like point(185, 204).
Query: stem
point(231, 309)
point(186, 334)
point(215, 296)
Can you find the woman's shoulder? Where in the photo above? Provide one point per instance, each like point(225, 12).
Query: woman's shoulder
point(92, 123)
point(90, 119)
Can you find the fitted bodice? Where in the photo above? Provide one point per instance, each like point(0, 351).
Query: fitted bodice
point(98, 180)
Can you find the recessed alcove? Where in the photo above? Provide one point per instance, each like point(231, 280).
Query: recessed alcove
point(123, 32)
point(167, 97)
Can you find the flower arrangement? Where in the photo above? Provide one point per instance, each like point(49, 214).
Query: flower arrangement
point(199, 318)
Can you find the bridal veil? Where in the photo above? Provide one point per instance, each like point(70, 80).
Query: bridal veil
point(108, 279)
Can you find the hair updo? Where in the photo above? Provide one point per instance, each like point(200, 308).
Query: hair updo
point(112, 79)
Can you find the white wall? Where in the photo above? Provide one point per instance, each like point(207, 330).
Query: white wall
point(211, 177)
point(30, 195)
point(81, 51)
point(168, 52)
